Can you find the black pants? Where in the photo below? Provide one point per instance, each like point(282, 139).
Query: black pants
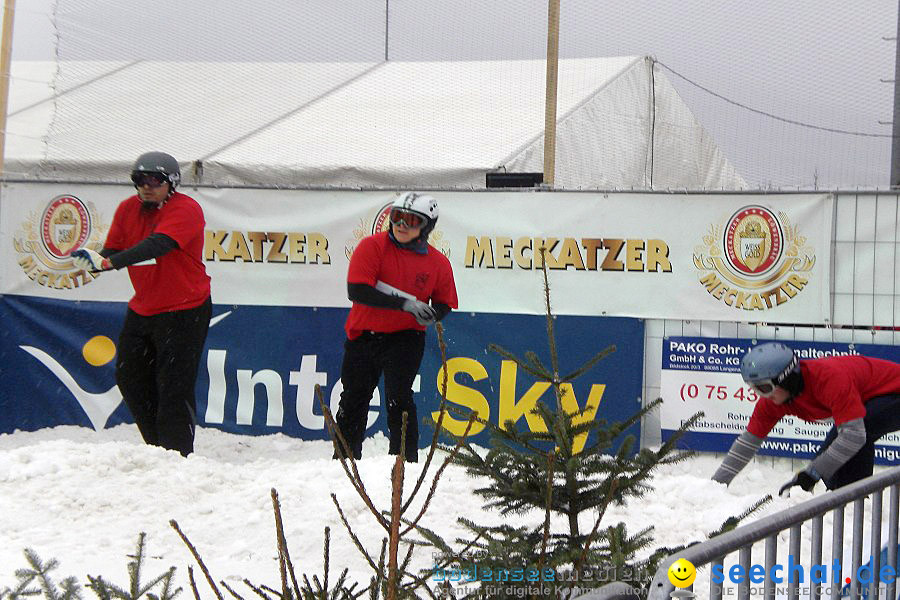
point(398, 356)
point(882, 417)
point(156, 370)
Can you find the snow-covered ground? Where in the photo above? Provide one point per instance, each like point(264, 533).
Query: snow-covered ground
point(83, 497)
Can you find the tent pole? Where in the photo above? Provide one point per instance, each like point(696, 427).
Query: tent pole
point(550, 100)
point(387, 28)
point(9, 10)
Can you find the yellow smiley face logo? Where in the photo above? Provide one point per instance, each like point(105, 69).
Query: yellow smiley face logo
point(682, 573)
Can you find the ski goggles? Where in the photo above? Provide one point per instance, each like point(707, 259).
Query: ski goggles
point(153, 180)
point(409, 219)
point(763, 386)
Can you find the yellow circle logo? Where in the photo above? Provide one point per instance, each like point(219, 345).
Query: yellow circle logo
point(682, 573)
point(98, 350)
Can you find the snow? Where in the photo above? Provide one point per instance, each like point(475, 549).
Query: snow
point(82, 497)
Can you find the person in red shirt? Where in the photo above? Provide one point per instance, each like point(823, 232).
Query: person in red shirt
point(861, 395)
point(158, 235)
point(399, 285)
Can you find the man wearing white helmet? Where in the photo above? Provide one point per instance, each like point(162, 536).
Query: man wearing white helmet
point(399, 285)
point(861, 394)
point(157, 234)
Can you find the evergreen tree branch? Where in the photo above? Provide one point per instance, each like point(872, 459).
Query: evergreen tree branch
point(187, 542)
point(551, 459)
point(542, 375)
point(579, 564)
point(434, 482)
point(98, 585)
point(231, 591)
point(537, 365)
point(551, 335)
point(347, 456)
point(590, 363)
point(507, 434)
point(285, 566)
point(437, 426)
point(396, 505)
point(193, 582)
point(134, 568)
point(256, 589)
point(353, 535)
point(732, 522)
point(167, 592)
point(326, 557)
point(274, 592)
point(40, 571)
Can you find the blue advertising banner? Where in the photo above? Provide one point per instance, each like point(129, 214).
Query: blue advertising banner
point(261, 365)
point(703, 374)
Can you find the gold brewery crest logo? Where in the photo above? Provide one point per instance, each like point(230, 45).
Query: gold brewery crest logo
point(754, 261)
point(381, 222)
point(46, 241)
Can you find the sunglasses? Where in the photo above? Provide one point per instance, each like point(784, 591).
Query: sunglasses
point(763, 386)
point(411, 220)
point(153, 180)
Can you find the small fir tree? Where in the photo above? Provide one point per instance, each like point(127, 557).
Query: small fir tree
point(572, 469)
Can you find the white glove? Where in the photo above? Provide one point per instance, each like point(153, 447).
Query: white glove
point(423, 312)
point(87, 259)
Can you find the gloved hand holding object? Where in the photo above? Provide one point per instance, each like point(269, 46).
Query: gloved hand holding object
point(89, 260)
point(422, 311)
point(804, 479)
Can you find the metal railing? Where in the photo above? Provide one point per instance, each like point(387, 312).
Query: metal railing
point(741, 540)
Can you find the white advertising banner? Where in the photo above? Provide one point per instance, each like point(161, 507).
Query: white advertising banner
point(731, 257)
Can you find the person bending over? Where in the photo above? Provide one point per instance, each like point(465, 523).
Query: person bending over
point(861, 394)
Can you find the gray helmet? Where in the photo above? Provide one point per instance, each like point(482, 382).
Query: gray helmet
point(771, 363)
point(158, 162)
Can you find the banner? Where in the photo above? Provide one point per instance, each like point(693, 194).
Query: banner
point(261, 365)
point(731, 257)
point(704, 374)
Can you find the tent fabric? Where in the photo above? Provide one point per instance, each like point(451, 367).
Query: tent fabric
point(621, 124)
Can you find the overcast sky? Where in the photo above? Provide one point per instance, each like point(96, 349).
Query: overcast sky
point(821, 63)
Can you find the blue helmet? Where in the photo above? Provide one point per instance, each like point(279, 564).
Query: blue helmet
point(767, 365)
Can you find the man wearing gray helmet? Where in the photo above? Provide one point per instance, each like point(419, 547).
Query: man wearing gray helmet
point(158, 235)
point(861, 394)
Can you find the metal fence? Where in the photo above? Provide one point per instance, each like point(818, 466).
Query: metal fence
point(802, 522)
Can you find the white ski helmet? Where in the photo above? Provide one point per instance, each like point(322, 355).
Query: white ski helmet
point(419, 204)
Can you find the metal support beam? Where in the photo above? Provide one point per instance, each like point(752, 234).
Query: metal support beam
point(895, 130)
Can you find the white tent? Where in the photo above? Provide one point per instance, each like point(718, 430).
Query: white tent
point(621, 124)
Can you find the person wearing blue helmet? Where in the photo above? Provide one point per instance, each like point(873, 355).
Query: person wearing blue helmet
point(861, 394)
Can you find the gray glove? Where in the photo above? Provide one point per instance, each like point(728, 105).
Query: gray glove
point(423, 312)
point(87, 259)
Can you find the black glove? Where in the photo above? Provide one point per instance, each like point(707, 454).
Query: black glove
point(423, 312)
point(803, 479)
